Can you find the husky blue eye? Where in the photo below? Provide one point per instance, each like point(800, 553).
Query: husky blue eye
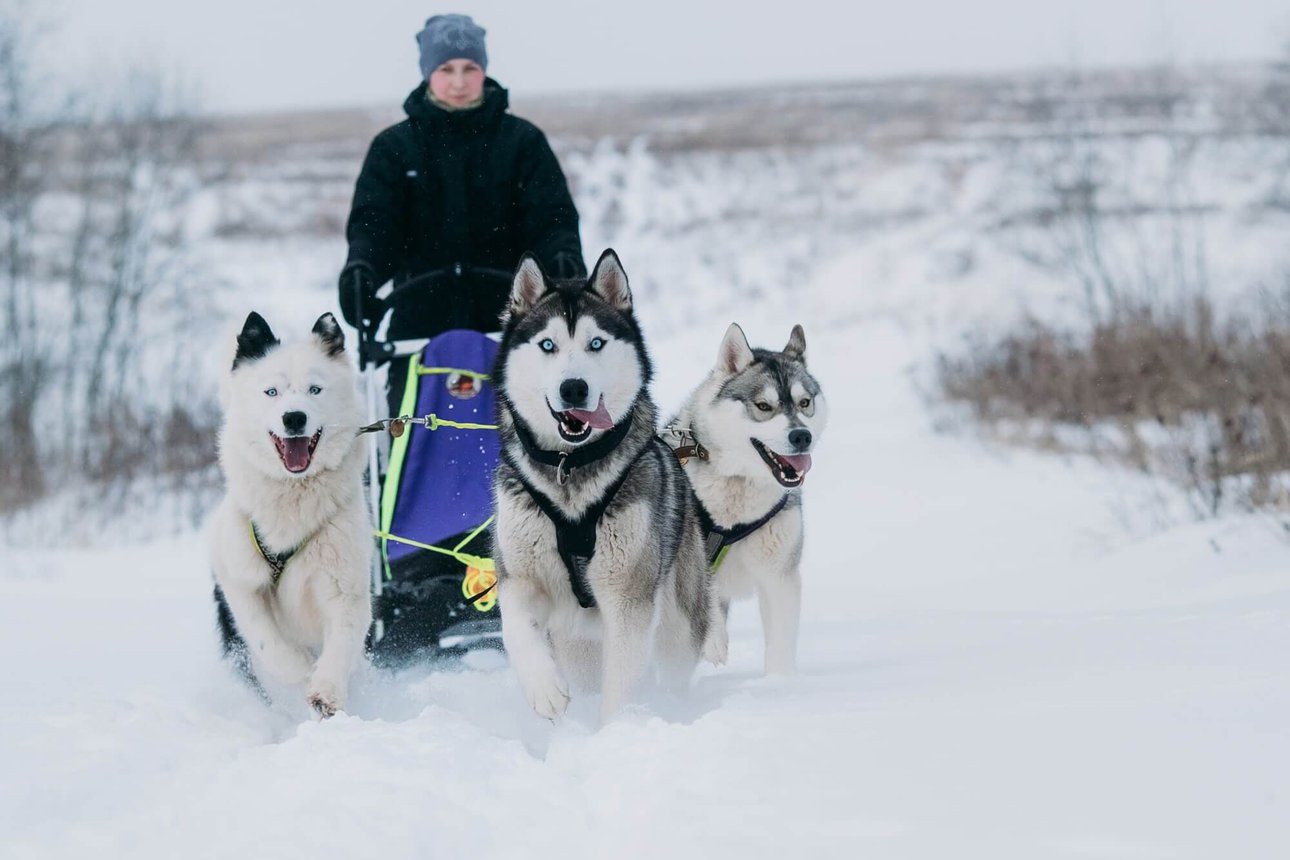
point(272, 392)
point(315, 389)
point(596, 344)
point(763, 405)
point(547, 345)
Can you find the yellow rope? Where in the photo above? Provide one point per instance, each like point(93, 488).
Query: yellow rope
point(425, 371)
point(434, 422)
point(475, 561)
point(470, 537)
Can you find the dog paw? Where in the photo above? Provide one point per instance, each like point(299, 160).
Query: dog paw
point(779, 666)
point(716, 648)
point(323, 706)
point(325, 700)
point(551, 699)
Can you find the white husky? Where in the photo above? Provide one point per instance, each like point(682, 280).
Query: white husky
point(291, 543)
point(746, 435)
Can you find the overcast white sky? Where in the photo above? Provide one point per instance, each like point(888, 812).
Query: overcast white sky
point(268, 54)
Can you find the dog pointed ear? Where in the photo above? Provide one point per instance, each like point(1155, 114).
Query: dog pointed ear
point(609, 281)
point(329, 335)
point(735, 353)
point(255, 339)
point(797, 344)
point(529, 285)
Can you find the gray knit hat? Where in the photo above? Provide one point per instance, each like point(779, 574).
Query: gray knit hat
point(450, 37)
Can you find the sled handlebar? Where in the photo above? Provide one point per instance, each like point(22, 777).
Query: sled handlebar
point(448, 274)
point(471, 309)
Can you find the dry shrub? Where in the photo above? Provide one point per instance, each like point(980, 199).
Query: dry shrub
point(1178, 392)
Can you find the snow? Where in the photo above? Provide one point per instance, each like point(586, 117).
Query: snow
point(1001, 657)
point(1004, 654)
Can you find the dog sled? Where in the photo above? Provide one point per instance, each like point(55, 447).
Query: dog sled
point(434, 585)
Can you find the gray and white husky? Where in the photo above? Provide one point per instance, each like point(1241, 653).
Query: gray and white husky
point(597, 542)
point(291, 542)
point(747, 433)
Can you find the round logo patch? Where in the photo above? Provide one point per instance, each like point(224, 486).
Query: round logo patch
point(461, 386)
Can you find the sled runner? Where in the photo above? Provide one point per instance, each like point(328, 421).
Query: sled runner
point(433, 584)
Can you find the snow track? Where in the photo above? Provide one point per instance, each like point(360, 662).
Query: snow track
point(1000, 658)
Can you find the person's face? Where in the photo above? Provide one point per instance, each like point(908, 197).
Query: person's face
point(457, 82)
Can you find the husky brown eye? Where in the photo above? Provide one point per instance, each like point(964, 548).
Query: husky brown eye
point(805, 403)
point(763, 406)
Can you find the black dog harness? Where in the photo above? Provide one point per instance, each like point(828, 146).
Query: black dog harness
point(277, 561)
point(717, 540)
point(576, 539)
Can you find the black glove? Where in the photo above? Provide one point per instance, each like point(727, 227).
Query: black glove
point(358, 302)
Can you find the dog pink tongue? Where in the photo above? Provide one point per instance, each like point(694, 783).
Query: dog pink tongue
point(295, 453)
point(800, 462)
point(599, 419)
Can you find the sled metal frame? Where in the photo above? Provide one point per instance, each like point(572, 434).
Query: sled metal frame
point(372, 354)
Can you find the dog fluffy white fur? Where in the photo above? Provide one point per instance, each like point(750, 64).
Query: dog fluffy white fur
point(293, 465)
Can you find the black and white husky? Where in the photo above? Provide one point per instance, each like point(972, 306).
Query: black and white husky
point(746, 434)
point(291, 542)
point(597, 542)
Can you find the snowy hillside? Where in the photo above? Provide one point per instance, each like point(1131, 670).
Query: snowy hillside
point(945, 204)
point(992, 666)
point(1003, 655)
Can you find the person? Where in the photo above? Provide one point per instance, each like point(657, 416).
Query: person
point(460, 183)
point(446, 204)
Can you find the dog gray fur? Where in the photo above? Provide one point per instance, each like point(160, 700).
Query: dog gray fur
point(571, 369)
point(758, 414)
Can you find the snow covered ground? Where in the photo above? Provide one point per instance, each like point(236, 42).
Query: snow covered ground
point(1002, 656)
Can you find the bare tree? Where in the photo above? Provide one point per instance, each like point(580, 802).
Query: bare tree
point(1091, 222)
point(134, 172)
point(22, 354)
point(1161, 376)
point(92, 232)
point(1275, 121)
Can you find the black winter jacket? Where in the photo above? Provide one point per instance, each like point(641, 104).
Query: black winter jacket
point(478, 187)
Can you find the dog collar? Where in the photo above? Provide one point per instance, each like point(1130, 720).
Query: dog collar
point(690, 445)
point(566, 461)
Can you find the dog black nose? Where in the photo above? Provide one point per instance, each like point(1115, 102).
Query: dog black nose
point(294, 422)
point(799, 438)
point(574, 392)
